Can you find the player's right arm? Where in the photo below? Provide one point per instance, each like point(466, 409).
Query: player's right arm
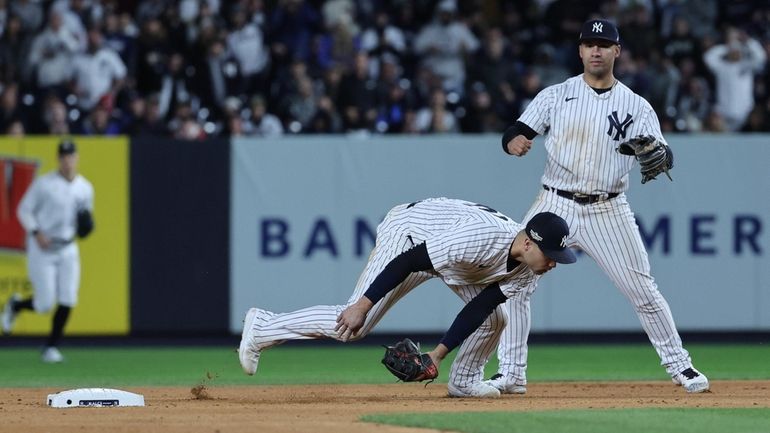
point(26, 214)
point(517, 139)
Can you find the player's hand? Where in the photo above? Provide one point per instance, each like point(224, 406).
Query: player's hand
point(352, 319)
point(42, 241)
point(519, 145)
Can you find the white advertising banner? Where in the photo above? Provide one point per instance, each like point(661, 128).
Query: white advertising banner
point(305, 209)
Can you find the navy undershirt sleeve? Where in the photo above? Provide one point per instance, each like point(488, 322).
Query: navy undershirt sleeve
point(473, 315)
point(518, 128)
point(413, 260)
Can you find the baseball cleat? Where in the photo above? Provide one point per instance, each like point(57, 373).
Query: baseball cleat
point(51, 355)
point(249, 351)
point(474, 390)
point(9, 315)
point(691, 380)
point(506, 384)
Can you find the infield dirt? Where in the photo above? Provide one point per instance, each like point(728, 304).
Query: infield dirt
point(337, 408)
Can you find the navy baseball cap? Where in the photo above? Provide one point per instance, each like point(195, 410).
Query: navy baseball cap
point(549, 231)
point(67, 147)
point(599, 29)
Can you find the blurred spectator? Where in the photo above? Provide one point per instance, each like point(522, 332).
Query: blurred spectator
point(443, 45)
point(544, 65)
point(9, 105)
point(99, 122)
point(681, 43)
point(693, 104)
point(326, 120)
point(246, 43)
point(338, 44)
point(261, 123)
point(51, 53)
point(664, 79)
point(120, 36)
point(152, 48)
point(303, 106)
point(98, 74)
point(734, 64)
point(714, 122)
point(55, 116)
point(292, 25)
point(394, 108)
point(173, 87)
point(216, 78)
point(639, 32)
point(30, 12)
point(208, 54)
point(14, 46)
point(152, 122)
point(15, 129)
point(357, 96)
point(436, 118)
point(480, 116)
point(382, 40)
point(498, 72)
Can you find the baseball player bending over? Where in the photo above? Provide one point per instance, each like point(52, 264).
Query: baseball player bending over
point(481, 254)
point(55, 209)
point(584, 120)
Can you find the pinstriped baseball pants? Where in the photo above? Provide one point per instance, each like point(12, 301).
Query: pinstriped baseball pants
point(608, 233)
point(397, 233)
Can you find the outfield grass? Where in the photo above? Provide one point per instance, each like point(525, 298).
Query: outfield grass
point(138, 366)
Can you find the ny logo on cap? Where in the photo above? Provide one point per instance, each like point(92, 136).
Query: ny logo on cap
point(597, 28)
point(564, 241)
point(535, 235)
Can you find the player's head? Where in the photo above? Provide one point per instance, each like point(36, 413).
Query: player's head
point(599, 46)
point(68, 157)
point(548, 232)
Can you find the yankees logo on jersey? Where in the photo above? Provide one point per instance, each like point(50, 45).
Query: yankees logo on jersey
point(580, 149)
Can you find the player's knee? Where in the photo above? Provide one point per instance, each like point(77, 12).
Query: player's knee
point(650, 306)
point(42, 306)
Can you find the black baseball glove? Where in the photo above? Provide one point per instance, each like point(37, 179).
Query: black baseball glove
point(85, 222)
point(654, 157)
point(406, 362)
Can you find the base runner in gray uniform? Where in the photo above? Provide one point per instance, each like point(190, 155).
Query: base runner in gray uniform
point(481, 254)
point(584, 119)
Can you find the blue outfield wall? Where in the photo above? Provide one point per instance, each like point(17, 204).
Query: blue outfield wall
point(304, 211)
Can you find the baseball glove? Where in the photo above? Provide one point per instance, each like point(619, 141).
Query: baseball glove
point(85, 223)
point(654, 157)
point(406, 362)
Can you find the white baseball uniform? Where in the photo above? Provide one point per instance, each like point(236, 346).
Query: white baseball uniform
point(50, 206)
point(582, 129)
point(468, 245)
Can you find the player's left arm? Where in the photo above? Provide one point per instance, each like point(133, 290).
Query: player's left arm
point(472, 316)
point(395, 272)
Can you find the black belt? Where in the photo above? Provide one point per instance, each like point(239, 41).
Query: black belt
point(581, 198)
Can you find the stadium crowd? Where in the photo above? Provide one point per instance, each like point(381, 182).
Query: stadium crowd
point(192, 69)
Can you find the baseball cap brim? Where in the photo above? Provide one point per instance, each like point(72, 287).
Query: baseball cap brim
point(565, 256)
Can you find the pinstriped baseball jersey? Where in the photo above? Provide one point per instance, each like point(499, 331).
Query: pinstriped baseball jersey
point(472, 247)
point(583, 129)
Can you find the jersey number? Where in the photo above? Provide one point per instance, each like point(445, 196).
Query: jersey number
point(490, 210)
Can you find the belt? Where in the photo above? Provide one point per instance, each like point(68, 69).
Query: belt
point(580, 198)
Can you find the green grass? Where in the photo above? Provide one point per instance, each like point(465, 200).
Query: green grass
point(589, 421)
point(188, 366)
point(139, 366)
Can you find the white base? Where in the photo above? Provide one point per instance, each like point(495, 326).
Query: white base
point(94, 397)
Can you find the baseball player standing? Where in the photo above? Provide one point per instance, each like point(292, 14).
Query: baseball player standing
point(481, 254)
point(584, 119)
point(55, 209)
